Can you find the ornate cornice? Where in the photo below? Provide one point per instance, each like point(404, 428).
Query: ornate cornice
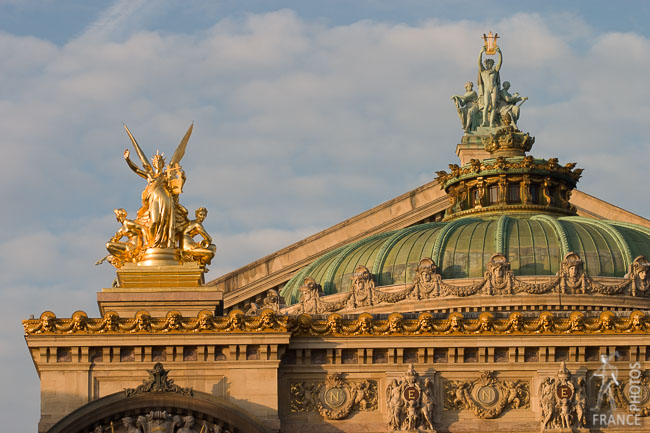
point(515, 165)
point(363, 325)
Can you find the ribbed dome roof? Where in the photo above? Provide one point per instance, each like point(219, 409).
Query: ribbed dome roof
point(534, 244)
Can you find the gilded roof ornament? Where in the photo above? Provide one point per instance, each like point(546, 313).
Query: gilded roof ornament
point(161, 233)
point(364, 324)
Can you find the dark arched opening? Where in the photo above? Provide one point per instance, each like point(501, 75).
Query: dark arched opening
point(161, 410)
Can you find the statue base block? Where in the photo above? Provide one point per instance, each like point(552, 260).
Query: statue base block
point(159, 289)
point(160, 257)
point(471, 147)
point(176, 275)
point(158, 304)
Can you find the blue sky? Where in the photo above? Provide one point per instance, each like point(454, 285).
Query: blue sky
point(306, 113)
point(35, 17)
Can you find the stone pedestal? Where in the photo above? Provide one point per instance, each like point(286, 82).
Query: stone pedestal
point(159, 289)
point(132, 276)
point(471, 147)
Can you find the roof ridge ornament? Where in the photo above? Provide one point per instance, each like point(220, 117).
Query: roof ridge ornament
point(508, 141)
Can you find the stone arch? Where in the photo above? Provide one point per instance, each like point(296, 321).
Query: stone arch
point(203, 407)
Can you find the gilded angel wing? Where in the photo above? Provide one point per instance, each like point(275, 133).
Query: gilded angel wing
point(180, 150)
point(139, 151)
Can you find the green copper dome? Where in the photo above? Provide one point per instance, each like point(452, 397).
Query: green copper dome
point(534, 244)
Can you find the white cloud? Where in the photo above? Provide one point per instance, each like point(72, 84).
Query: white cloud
point(298, 125)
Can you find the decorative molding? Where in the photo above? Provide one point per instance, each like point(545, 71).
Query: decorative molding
point(335, 398)
point(158, 382)
point(498, 279)
point(487, 397)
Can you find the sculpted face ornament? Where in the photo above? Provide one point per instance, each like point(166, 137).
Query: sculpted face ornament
point(111, 322)
point(515, 323)
point(640, 274)
point(309, 296)
point(48, 323)
point(572, 273)
point(576, 322)
point(173, 322)
point(425, 323)
point(304, 324)
point(272, 297)
point(365, 325)
point(498, 275)
point(362, 288)
point(335, 324)
point(237, 320)
point(546, 323)
point(637, 322)
point(79, 322)
point(142, 322)
point(455, 323)
point(205, 322)
point(486, 323)
point(268, 319)
point(428, 279)
point(395, 324)
point(607, 322)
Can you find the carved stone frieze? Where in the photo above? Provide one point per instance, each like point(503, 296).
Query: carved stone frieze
point(162, 421)
point(563, 401)
point(335, 398)
point(311, 301)
point(487, 397)
point(498, 280)
point(411, 402)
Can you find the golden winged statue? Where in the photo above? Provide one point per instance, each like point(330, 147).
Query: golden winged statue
point(161, 234)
